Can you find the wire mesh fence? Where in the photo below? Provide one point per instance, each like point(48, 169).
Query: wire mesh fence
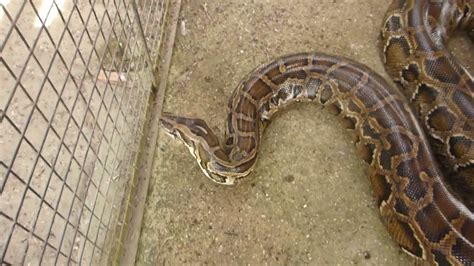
point(76, 77)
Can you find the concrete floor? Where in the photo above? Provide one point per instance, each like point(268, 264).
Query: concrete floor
point(309, 200)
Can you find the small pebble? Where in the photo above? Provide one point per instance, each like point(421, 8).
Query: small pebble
point(366, 255)
point(289, 178)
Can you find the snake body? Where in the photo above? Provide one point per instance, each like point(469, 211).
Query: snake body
point(414, 36)
point(422, 213)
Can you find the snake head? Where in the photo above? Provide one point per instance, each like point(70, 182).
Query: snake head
point(201, 142)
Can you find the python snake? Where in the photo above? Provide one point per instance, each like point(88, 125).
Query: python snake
point(419, 199)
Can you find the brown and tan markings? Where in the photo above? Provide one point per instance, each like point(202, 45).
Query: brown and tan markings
point(414, 37)
point(422, 212)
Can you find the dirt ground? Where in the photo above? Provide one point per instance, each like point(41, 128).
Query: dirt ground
point(309, 200)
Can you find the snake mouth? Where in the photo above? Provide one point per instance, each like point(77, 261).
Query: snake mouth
point(173, 133)
point(166, 124)
point(227, 181)
point(230, 182)
point(169, 126)
point(219, 179)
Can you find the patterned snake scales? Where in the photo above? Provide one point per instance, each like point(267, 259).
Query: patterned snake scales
point(427, 207)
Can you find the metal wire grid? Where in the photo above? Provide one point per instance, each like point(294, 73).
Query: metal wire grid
point(73, 102)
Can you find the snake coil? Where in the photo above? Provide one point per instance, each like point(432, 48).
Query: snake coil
point(424, 184)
